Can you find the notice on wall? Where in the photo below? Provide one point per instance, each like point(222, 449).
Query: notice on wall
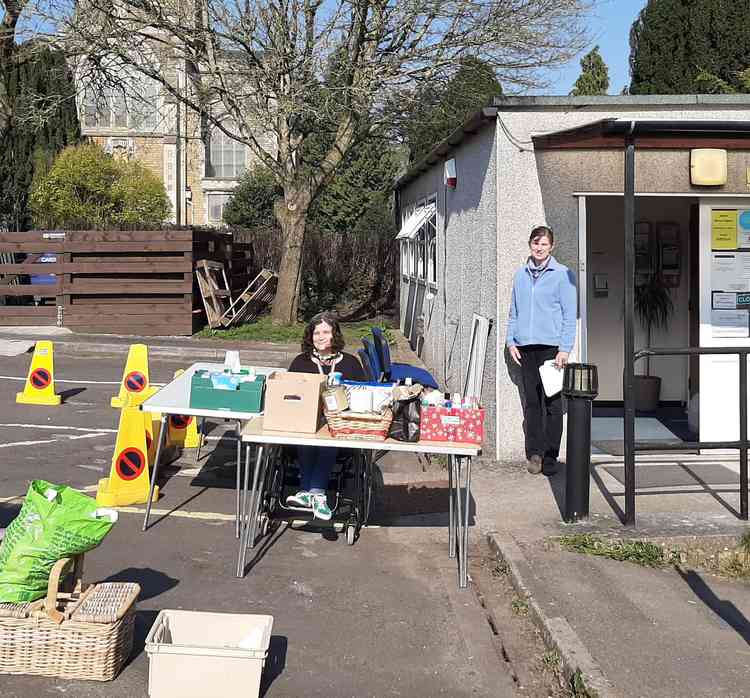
point(729, 323)
point(743, 229)
point(724, 229)
point(723, 301)
point(727, 272)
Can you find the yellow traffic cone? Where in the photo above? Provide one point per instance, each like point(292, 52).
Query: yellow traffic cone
point(152, 424)
point(134, 382)
point(183, 429)
point(40, 383)
point(128, 481)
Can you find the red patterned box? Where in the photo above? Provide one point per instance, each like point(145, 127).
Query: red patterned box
point(452, 424)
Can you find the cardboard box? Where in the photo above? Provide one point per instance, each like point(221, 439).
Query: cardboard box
point(293, 402)
point(452, 424)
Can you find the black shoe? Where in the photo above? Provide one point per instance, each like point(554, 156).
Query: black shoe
point(549, 466)
point(535, 464)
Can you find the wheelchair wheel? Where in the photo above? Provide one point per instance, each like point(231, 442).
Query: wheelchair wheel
point(351, 534)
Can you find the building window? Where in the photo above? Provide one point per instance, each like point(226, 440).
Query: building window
point(216, 204)
point(227, 158)
point(133, 106)
point(431, 244)
point(420, 244)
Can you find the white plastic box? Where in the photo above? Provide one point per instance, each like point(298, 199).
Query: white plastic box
point(193, 654)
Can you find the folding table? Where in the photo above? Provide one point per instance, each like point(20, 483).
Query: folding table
point(458, 506)
point(174, 399)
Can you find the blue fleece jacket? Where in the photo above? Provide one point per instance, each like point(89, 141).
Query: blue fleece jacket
point(543, 312)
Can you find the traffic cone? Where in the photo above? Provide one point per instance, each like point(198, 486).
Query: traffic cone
point(134, 382)
point(152, 424)
point(183, 429)
point(40, 383)
point(128, 481)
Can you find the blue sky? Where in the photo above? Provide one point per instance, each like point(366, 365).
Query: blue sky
point(609, 26)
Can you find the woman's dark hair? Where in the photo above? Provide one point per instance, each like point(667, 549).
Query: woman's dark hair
point(337, 341)
point(542, 231)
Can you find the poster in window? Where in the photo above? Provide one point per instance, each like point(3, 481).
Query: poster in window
point(724, 229)
point(743, 228)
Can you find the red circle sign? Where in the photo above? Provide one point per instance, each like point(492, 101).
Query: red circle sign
point(130, 464)
point(180, 421)
point(134, 382)
point(40, 378)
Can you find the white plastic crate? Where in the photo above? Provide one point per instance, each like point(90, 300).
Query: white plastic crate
point(193, 654)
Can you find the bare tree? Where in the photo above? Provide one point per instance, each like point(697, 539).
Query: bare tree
point(253, 68)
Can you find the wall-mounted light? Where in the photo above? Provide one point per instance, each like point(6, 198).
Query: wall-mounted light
point(708, 167)
point(450, 173)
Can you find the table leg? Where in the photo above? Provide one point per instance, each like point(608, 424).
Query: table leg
point(465, 562)
point(258, 495)
point(155, 472)
point(239, 468)
point(451, 513)
point(458, 517)
point(246, 523)
point(201, 425)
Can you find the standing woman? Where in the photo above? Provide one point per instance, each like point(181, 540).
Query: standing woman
point(322, 352)
point(542, 326)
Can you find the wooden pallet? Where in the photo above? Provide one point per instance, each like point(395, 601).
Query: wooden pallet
point(214, 288)
point(252, 301)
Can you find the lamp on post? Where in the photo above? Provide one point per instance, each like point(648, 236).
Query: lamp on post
point(580, 387)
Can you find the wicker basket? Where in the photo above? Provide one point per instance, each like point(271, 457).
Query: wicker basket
point(85, 634)
point(359, 425)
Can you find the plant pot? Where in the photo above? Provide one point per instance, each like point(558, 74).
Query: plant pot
point(647, 389)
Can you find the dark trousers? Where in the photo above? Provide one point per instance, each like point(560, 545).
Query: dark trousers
point(543, 416)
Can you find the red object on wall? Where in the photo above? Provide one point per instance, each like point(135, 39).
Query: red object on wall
point(452, 424)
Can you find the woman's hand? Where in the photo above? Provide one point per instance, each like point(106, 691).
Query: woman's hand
point(561, 359)
point(515, 354)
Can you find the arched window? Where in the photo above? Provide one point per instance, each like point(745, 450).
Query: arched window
point(131, 105)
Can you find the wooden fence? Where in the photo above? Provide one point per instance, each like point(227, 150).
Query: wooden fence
point(122, 282)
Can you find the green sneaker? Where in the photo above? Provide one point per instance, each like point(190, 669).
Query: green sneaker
point(320, 507)
point(301, 499)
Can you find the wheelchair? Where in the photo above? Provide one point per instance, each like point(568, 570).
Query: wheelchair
point(349, 492)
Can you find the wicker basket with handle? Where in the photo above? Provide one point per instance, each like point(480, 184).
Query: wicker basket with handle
point(82, 634)
point(359, 425)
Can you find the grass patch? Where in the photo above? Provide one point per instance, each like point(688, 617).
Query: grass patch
point(551, 660)
point(578, 688)
point(519, 606)
point(264, 330)
point(639, 552)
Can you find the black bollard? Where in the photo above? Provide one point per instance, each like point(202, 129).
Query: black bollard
point(580, 387)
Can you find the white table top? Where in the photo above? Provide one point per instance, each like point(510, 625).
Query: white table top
point(253, 432)
point(174, 397)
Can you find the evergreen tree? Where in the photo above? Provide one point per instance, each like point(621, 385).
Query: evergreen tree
point(440, 109)
point(594, 77)
point(28, 145)
point(673, 42)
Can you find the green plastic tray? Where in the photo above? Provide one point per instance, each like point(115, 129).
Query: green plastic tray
point(247, 398)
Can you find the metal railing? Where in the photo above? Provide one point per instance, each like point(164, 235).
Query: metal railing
point(742, 444)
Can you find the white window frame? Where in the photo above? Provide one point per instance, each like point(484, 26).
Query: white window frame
point(134, 107)
point(419, 254)
point(209, 196)
point(218, 138)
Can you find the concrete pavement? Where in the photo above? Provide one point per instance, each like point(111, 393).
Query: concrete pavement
point(630, 630)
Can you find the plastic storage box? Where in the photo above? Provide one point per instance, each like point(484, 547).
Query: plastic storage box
point(248, 397)
point(193, 654)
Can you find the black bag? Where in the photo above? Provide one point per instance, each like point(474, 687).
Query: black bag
point(406, 418)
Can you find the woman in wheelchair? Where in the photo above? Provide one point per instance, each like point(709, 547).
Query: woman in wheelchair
point(322, 352)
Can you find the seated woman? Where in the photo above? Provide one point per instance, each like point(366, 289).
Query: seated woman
point(322, 346)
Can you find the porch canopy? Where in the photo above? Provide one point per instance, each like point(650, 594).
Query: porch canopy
point(629, 134)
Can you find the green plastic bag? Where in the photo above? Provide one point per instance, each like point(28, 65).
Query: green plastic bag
point(55, 521)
